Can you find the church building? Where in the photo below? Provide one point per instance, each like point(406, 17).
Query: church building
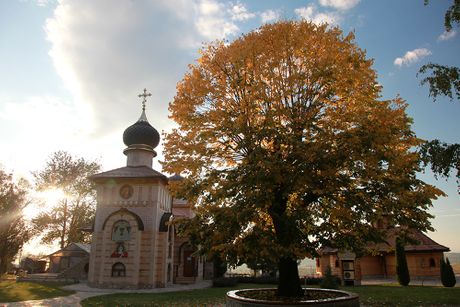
point(133, 243)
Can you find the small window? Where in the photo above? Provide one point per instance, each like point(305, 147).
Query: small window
point(337, 263)
point(432, 263)
point(118, 270)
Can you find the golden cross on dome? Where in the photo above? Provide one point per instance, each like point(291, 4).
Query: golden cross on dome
point(144, 100)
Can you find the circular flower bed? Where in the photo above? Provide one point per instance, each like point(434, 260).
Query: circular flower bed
point(311, 297)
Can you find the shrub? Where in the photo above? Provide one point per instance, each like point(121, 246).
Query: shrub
point(220, 267)
point(311, 281)
point(224, 282)
point(258, 280)
point(447, 273)
point(329, 281)
point(402, 271)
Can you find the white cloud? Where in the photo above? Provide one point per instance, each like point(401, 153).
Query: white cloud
point(269, 16)
point(213, 21)
point(44, 124)
point(339, 4)
point(447, 35)
point(305, 12)
point(412, 56)
point(107, 51)
point(239, 12)
point(310, 13)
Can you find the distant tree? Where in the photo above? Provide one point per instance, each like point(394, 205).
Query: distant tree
point(444, 80)
point(14, 231)
point(219, 267)
point(447, 273)
point(265, 265)
point(286, 146)
point(329, 281)
point(76, 209)
point(442, 158)
point(402, 270)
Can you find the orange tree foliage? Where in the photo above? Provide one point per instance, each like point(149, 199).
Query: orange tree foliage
point(286, 146)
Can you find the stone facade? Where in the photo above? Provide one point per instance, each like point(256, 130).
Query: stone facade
point(133, 244)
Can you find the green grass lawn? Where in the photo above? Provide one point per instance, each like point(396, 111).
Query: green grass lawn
point(395, 295)
point(12, 291)
point(202, 297)
point(386, 295)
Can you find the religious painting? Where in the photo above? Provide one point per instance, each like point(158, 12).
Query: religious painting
point(120, 252)
point(126, 191)
point(121, 231)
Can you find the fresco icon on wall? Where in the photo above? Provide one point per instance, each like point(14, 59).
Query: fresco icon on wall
point(121, 231)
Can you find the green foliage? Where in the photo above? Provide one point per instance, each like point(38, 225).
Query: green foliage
point(76, 209)
point(329, 281)
point(452, 14)
point(447, 274)
point(402, 270)
point(14, 231)
point(219, 266)
point(286, 146)
point(442, 158)
point(444, 80)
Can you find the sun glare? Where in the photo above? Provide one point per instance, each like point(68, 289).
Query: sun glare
point(43, 201)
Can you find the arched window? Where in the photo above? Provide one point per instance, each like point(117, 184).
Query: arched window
point(432, 263)
point(118, 270)
point(121, 231)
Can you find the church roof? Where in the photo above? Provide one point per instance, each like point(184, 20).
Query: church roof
point(130, 172)
point(84, 246)
point(72, 249)
point(423, 243)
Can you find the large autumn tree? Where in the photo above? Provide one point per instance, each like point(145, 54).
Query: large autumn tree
point(73, 211)
point(286, 146)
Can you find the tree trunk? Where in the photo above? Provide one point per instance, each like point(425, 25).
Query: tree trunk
point(65, 225)
point(289, 281)
point(3, 265)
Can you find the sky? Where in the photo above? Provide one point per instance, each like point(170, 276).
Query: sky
point(70, 71)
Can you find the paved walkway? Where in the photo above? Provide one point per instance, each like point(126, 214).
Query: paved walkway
point(83, 291)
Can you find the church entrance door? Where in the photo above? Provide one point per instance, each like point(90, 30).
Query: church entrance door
point(189, 264)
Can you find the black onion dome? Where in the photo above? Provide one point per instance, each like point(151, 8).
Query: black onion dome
point(141, 133)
